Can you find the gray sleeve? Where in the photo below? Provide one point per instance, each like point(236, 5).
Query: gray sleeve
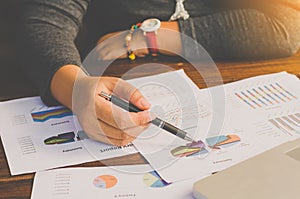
point(47, 40)
point(244, 34)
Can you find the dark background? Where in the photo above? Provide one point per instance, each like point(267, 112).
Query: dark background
point(102, 17)
point(13, 83)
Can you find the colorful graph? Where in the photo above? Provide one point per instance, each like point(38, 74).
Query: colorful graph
point(152, 179)
point(289, 124)
point(191, 149)
point(60, 139)
point(265, 95)
point(105, 181)
point(218, 142)
point(43, 116)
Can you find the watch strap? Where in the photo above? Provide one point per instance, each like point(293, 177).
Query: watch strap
point(151, 43)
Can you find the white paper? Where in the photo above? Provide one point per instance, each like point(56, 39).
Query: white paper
point(121, 182)
point(25, 126)
point(245, 118)
point(174, 98)
point(25, 130)
point(177, 100)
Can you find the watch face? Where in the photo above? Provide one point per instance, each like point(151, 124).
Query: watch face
point(150, 25)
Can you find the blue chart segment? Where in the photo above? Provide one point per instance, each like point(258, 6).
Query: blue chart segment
point(265, 95)
point(43, 116)
point(152, 179)
point(289, 124)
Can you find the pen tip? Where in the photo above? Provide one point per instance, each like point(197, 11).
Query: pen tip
point(187, 138)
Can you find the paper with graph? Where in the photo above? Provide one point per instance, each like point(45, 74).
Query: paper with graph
point(120, 182)
point(248, 117)
point(51, 137)
point(258, 114)
point(36, 137)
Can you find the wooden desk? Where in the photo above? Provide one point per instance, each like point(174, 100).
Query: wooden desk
point(18, 187)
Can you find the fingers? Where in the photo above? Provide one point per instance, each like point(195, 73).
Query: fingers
point(107, 140)
point(111, 135)
point(109, 47)
point(113, 46)
point(120, 134)
point(116, 117)
point(107, 36)
point(128, 92)
point(109, 53)
point(101, 131)
point(100, 118)
point(142, 52)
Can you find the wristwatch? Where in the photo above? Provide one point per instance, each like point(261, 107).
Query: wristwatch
point(150, 27)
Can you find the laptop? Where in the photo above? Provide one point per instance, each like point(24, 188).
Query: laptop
point(274, 174)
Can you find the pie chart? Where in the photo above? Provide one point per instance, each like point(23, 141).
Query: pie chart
point(218, 142)
point(152, 179)
point(105, 181)
point(191, 149)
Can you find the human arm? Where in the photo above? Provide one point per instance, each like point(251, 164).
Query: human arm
point(51, 59)
point(100, 119)
point(112, 46)
point(254, 31)
point(49, 29)
point(260, 31)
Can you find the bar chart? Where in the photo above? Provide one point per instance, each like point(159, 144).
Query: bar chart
point(265, 95)
point(289, 124)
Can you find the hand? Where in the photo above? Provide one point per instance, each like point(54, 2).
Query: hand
point(102, 120)
point(112, 45)
point(168, 38)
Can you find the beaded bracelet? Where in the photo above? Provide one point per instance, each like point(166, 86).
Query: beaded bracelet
point(128, 39)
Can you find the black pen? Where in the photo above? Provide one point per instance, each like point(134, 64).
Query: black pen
point(158, 122)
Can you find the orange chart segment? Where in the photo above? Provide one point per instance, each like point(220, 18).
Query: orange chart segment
point(105, 181)
point(230, 139)
point(222, 140)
